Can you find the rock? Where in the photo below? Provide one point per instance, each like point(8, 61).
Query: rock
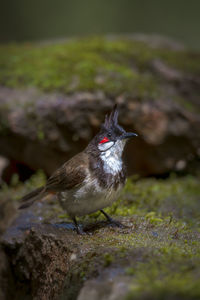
point(3, 164)
point(7, 213)
point(42, 257)
point(167, 132)
point(47, 115)
point(110, 285)
point(42, 260)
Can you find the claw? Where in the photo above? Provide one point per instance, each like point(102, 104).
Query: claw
point(80, 231)
point(116, 223)
point(78, 228)
point(111, 221)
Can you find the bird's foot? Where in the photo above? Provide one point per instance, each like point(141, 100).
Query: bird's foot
point(80, 230)
point(112, 222)
point(115, 223)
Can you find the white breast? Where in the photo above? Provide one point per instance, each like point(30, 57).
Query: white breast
point(88, 198)
point(112, 158)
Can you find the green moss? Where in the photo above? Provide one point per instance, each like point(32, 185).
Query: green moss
point(151, 216)
point(169, 272)
point(173, 286)
point(40, 135)
point(182, 60)
point(159, 252)
point(17, 189)
point(86, 64)
point(187, 104)
point(114, 66)
point(108, 259)
point(156, 266)
point(172, 198)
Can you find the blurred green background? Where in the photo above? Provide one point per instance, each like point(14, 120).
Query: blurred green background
point(24, 20)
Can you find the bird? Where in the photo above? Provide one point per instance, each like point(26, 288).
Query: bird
point(92, 179)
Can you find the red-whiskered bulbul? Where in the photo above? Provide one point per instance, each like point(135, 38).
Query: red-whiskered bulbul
point(92, 179)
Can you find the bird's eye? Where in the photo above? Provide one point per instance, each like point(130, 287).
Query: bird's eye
point(109, 134)
point(104, 140)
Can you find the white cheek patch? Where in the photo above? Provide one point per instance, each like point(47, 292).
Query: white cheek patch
point(105, 146)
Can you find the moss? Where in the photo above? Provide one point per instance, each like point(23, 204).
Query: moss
point(40, 135)
point(170, 272)
point(86, 64)
point(156, 265)
point(114, 66)
point(18, 189)
point(187, 104)
point(173, 286)
point(108, 259)
point(182, 60)
point(158, 198)
point(159, 251)
point(163, 250)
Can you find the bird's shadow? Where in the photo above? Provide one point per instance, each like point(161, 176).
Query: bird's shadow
point(88, 228)
point(69, 226)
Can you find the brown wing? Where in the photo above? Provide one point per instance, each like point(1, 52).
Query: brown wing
point(70, 175)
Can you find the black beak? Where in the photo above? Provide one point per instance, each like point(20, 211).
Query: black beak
point(128, 135)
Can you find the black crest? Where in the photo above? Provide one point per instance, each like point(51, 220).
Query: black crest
point(111, 119)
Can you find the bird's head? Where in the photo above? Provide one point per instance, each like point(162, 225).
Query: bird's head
point(112, 135)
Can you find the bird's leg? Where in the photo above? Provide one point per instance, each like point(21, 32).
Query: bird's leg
point(110, 220)
point(79, 230)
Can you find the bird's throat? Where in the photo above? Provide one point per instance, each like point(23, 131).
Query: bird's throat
point(112, 158)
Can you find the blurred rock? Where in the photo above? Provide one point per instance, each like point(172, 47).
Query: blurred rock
point(53, 130)
point(3, 164)
point(158, 41)
point(110, 285)
point(158, 90)
point(7, 213)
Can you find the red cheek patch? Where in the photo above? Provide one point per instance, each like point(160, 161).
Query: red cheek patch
point(105, 140)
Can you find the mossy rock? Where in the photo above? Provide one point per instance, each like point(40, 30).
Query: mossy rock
point(156, 256)
point(54, 96)
point(88, 64)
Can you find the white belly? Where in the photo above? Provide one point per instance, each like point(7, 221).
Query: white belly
point(87, 199)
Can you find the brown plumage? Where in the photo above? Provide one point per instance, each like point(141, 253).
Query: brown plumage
point(92, 179)
point(68, 176)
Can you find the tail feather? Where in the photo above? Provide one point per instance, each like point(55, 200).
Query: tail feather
point(30, 198)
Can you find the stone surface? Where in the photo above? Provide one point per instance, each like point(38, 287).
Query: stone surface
point(42, 257)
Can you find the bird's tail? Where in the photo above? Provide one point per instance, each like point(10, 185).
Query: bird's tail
point(31, 197)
